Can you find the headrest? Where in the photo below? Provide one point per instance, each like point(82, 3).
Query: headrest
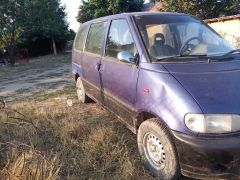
point(159, 39)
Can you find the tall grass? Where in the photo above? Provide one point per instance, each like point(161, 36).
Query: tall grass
point(42, 138)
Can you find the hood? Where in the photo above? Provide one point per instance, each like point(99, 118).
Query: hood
point(214, 86)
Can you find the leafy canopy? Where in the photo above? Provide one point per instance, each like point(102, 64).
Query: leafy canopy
point(23, 21)
point(91, 9)
point(11, 16)
point(20, 18)
point(46, 17)
point(204, 9)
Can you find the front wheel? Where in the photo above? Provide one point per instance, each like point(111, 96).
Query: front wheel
point(158, 150)
point(81, 93)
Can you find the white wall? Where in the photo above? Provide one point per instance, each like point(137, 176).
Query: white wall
point(229, 29)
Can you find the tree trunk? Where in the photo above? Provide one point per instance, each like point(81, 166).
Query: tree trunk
point(54, 47)
point(11, 53)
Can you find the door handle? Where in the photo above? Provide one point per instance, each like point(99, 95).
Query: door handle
point(98, 66)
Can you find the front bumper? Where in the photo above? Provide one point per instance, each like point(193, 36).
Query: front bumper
point(214, 157)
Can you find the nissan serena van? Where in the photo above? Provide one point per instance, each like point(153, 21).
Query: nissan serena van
point(173, 81)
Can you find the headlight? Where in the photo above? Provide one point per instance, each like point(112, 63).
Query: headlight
point(213, 123)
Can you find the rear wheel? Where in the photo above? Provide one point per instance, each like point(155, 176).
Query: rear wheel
point(158, 150)
point(81, 93)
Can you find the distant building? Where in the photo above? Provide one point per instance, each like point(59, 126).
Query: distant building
point(228, 27)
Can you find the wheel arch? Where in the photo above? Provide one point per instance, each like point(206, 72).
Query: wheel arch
point(144, 116)
point(76, 71)
point(76, 76)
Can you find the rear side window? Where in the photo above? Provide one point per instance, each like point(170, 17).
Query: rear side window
point(119, 39)
point(81, 37)
point(95, 38)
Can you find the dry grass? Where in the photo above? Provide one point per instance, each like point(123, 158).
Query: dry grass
point(43, 138)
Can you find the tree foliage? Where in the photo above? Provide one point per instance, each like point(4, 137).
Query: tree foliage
point(47, 17)
point(26, 20)
point(11, 16)
point(203, 9)
point(91, 9)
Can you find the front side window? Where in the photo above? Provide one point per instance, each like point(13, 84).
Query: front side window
point(95, 38)
point(119, 39)
point(179, 36)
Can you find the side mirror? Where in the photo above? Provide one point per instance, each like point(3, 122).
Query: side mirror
point(126, 56)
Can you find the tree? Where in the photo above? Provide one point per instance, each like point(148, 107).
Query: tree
point(47, 19)
point(91, 9)
point(71, 35)
point(203, 9)
point(27, 18)
point(11, 14)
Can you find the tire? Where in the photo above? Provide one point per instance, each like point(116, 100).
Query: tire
point(157, 149)
point(81, 93)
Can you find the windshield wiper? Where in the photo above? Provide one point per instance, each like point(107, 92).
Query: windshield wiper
point(193, 55)
point(167, 58)
point(232, 52)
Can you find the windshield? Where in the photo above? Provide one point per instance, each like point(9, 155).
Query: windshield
point(179, 35)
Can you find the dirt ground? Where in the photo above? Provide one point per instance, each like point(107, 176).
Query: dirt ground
point(46, 73)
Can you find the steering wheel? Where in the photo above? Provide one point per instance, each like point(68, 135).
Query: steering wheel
point(187, 47)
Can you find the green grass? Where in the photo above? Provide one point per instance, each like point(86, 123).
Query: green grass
point(68, 91)
point(43, 138)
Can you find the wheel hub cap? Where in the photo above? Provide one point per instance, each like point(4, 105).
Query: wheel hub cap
point(79, 89)
point(154, 150)
point(80, 92)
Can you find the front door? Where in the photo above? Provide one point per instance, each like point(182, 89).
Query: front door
point(91, 60)
point(119, 78)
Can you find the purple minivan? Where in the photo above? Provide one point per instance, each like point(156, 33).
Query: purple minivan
point(173, 81)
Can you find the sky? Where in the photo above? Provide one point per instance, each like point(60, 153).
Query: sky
point(72, 11)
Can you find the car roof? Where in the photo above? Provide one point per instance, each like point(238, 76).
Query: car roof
point(134, 14)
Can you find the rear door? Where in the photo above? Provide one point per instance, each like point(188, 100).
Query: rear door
point(92, 58)
point(119, 79)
